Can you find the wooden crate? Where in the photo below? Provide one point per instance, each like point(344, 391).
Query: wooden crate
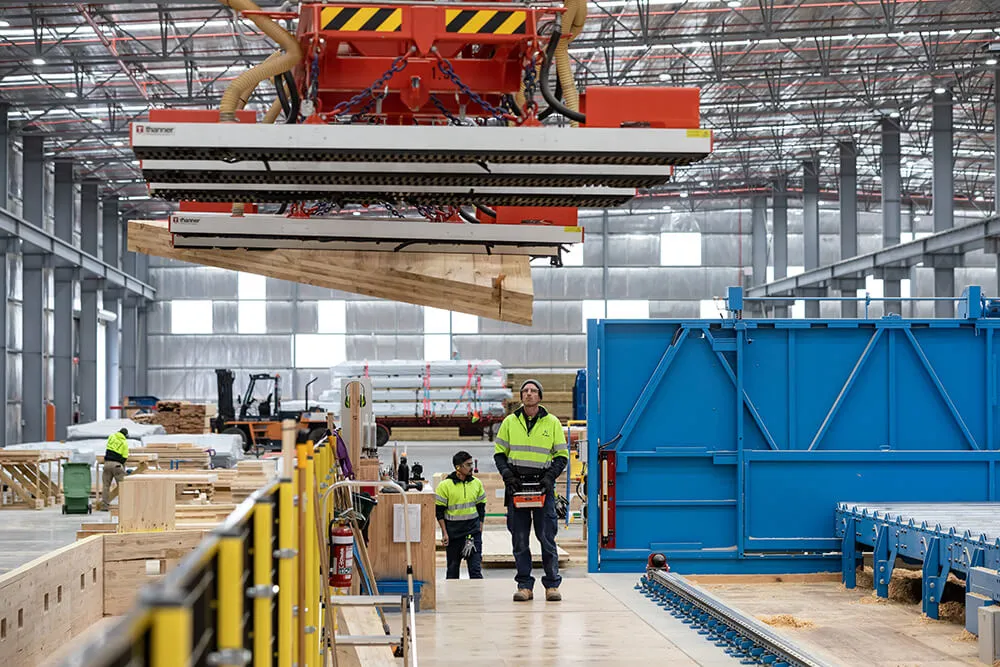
point(179, 456)
point(132, 561)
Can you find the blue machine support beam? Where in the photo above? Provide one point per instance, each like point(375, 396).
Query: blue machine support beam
point(891, 209)
point(89, 204)
point(111, 254)
point(64, 208)
point(758, 241)
point(33, 293)
point(780, 218)
point(848, 220)
point(944, 197)
point(810, 223)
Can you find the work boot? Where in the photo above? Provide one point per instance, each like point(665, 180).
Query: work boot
point(553, 595)
point(523, 595)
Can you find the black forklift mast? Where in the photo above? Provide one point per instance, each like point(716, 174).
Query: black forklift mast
point(226, 410)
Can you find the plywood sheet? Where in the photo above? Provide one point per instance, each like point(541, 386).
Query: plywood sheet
point(362, 621)
point(497, 287)
point(146, 505)
point(389, 558)
point(46, 602)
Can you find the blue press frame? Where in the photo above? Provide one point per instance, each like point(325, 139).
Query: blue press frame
point(735, 442)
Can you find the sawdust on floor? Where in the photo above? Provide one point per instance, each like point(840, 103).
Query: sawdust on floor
point(786, 621)
point(965, 636)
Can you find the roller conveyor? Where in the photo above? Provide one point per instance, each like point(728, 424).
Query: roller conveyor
point(259, 231)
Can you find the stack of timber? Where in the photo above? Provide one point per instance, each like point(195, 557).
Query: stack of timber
point(31, 479)
point(183, 417)
point(498, 287)
point(557, 391)
point(235, 484)
point(181, 456)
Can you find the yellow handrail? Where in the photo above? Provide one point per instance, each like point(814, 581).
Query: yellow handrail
point(235, 572)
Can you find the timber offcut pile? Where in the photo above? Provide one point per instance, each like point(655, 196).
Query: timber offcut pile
point(177, 456)
point(183, 417)
point(235, 484)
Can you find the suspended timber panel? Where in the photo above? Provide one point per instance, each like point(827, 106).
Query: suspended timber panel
point(498, 288)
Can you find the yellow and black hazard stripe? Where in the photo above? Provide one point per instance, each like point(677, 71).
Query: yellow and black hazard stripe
point(362, 19)
point(486, 21)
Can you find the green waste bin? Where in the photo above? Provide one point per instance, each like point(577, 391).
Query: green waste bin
point(76, 488)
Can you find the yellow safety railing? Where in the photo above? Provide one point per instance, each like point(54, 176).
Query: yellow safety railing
point(249, 594)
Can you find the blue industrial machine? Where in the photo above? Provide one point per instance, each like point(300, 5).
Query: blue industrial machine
point(727, 444)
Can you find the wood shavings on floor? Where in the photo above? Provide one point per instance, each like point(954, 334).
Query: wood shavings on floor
point(786, 621)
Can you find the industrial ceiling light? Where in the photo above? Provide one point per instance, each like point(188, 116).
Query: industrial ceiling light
point(733, 4)
point(38, 61)
point(70, 94)
point(684, 195)
point(940, 90)
point(4, 23)
point(991, 61)
point(665, 77)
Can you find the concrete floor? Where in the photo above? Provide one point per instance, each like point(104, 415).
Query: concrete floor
point(28, 534)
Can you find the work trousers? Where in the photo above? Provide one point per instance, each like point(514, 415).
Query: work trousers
point(546, 525)
point(474, 561)
point(113, 470)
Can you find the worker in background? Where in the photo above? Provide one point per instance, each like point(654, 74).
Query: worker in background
point(460, 507)
point(531, 447)
point(115, 456)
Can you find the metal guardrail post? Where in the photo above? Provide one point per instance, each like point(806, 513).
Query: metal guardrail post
point(312, 634)
point(262, 591)
point(229, 637)
point(170, 636)
point(286, 571)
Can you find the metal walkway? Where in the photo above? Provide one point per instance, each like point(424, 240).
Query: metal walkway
point(963, 538)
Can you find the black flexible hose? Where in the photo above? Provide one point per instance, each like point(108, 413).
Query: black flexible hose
point(295, 101)
point(468, 217)
point(559, 107)
point(548, 111)
point(487, 210)
point(279, 86)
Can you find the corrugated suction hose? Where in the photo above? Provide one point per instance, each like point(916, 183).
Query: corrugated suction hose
point(573, 20)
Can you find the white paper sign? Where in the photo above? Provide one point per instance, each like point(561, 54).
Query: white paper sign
point(398, 528)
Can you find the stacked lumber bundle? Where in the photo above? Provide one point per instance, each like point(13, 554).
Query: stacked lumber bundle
point(99, 528)
point(182, 456)
point(183, 417)
point(429, 434)
point(557, 392)
point(236, 484)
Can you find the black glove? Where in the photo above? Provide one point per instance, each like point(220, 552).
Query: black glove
point(511, 479)
point(548, 482)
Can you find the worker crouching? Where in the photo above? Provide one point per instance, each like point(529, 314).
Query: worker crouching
point(530, 453)
point(460, 507)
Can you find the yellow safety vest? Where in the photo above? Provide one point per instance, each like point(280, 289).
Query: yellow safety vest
point(534, 450)
point(460, 498)
point(118, 444)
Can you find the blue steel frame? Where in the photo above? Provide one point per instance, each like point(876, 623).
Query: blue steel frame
point(733, 440)
point(940, 549)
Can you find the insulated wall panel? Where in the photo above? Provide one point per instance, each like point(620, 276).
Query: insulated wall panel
point(225, 317)
point(158, 317)
point(199, 282)
point(259, 351)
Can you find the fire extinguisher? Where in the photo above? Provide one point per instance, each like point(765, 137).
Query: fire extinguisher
point(341, 556)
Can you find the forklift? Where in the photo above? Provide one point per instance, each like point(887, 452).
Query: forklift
point(258, 421)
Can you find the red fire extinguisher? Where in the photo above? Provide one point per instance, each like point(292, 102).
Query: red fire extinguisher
point(341, 556)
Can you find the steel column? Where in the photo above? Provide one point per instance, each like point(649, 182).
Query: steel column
point(111, 254)
point(4, 156)
point(142, 352)
point(942, 131)
point(848, 217)
point(758, 244)
point(891, 212)
point(63, 391)
point(128, 347)
point(89, 205)
point(810, 223)
point(33, 297)
point(780, 217)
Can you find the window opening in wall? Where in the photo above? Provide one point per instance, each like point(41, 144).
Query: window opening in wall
point(251, 286)
point(190, 316)
point(437, 347)
point(3, 628)
point(251, 317)
point(20, 619)
point(593, 309)
point(45, 602)
point(58, 594)
point(680, 249)
point(463, 323)
point(319, 350)
point(331, 317)
point(628, 309)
